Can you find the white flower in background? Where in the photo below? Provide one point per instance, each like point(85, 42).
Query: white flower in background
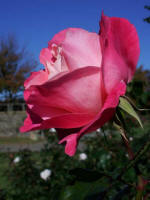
point(45, 174)
point(82, 156)
point(17, 159)
point(108, 156)
point(131, 138)
point(127, 155)
point(53, 130)
point(98, 130)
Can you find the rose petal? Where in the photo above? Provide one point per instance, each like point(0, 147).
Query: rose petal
point(36, 78)
point(67, 121)
point(120, 49)
point(56, 68)
point(45, 56)
point(71, 144)
point(103, 116)
point(29, 124)
point(58, 38)
point(63, 103)
point(71, 92)
point(80, 47)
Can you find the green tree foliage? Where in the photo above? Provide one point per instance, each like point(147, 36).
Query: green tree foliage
point(15, 65)
point(147, 19)
point(139, 88)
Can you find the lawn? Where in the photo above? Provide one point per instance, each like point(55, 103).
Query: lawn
point(19, 140)
point(4, 165)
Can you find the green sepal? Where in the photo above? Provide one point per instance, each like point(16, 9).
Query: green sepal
point(118, 125)
point(134, 106)
point(125, 105)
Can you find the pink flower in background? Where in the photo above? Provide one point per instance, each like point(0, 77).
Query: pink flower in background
point(85, 74)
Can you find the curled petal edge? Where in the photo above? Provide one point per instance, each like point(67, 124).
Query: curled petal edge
point(103, 116)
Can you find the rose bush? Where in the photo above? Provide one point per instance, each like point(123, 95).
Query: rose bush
point(85, 74)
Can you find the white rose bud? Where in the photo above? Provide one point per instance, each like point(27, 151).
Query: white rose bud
point(131, 138)
point(98, 130)
point(53, 130)
point(82, 156)
point(45, 174)
point(17, 159)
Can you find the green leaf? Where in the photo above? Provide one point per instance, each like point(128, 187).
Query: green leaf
point(125, 105)
point(84, 190)
point(86, 175)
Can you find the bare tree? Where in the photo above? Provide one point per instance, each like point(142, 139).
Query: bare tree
point(147, 19)
point(15, 65)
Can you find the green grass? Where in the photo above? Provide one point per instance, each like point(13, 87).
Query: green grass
point(4, 163)
point(19, 140)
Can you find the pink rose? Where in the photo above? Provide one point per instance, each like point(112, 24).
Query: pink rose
point(85, 74)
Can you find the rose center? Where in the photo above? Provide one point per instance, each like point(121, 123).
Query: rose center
point(58, 64)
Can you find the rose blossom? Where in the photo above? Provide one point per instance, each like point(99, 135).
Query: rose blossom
point(85, 74)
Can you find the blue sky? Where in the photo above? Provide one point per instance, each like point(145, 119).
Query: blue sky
point(35, 22)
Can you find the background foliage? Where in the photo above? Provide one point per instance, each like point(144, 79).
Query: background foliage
point(147, 19)
point(15, 65)
point(72, 178)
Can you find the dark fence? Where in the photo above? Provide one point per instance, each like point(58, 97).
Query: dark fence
point(6, 107)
